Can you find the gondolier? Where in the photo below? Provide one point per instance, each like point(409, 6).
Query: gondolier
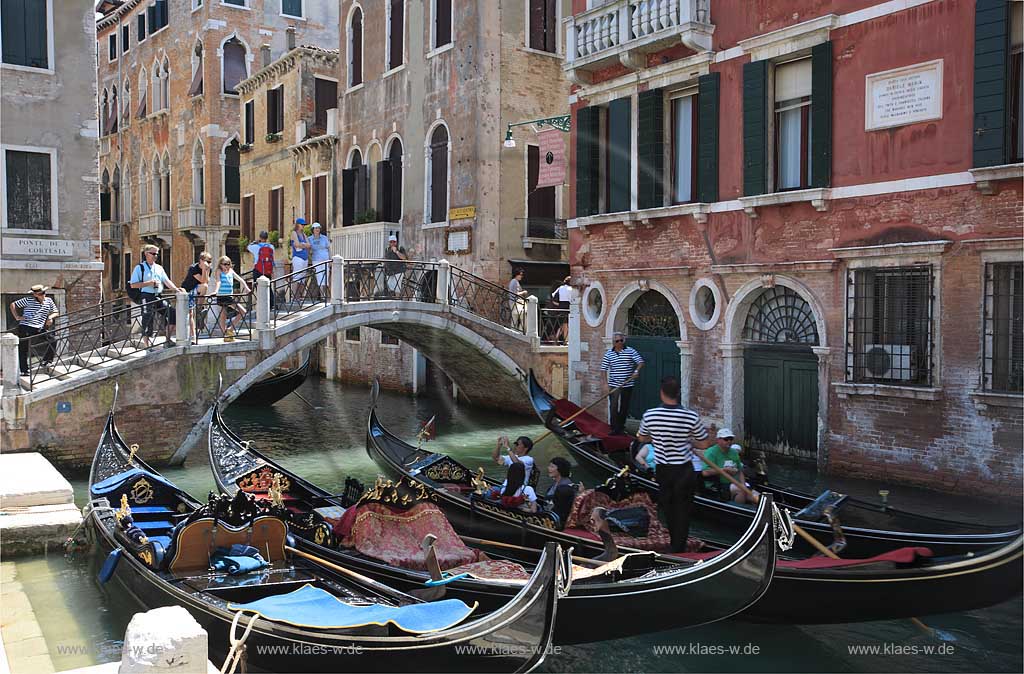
point(35, 315)
point(623, 364)
point(674, 431)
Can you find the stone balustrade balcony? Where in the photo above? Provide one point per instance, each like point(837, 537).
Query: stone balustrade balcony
point(192, 217)
point(110, 232)
point(157, 223)
point(363, 242)
point(231, 216)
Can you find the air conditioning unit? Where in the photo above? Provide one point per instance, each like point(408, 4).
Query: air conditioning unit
point(889, 361)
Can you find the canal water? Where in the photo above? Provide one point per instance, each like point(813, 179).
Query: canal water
point(83, 624)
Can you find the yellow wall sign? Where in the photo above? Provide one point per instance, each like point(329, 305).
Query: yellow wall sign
point(462, 213)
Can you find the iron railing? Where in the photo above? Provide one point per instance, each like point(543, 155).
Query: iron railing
point(487, 300)
point(546, 228)
point(214, 315)
point(554, 326)
point(300, 291)
point(408, 280)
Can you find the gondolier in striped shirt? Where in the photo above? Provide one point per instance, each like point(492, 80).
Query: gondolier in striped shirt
point(623, 364)
point(35, 314)
point(674, 431)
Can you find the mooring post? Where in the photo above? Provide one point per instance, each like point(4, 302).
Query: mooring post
point(182, 331)
point(337, 280)
point(533, 320)
point(262, 303)
point(9, 361)
point(444, 274)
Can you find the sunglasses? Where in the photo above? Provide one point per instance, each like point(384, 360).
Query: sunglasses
point(620, 341)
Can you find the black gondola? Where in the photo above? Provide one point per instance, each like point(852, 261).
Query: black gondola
point(869, 529)
point(898, 583)
point(169, 566)
point(647, 589)
point(269, 390)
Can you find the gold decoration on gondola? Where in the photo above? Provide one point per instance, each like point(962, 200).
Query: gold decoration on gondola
point(322, 534)
point(275, 493)
point(133, 449)
point(125, 510)
point(445, 470)
point(146, 555)
point(262, 479)
point(142, 491)
point(541, 519)
point(404, 494)
point(479, 483)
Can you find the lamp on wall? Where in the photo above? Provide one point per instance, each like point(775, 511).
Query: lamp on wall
point(560, 122)
point(509, 141)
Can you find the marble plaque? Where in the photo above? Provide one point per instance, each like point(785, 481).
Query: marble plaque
point(903, 96)
point(19, 245)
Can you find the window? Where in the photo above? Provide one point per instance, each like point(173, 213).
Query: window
point(540, 203)
point(352, 335)
point(236, 3)
point(793, 125)
point(104, 113)
point(1016, 80)
point(144, 205)
point(25, 33)
point(29, 189)
point(889, 326)
point(143, 91)
point(306, 199)
point(112, 47)
point(196, 4)
point(437, 175)
point(165, 184)
point(250, 122)
point(234, 65)
point(114, 109)
point(156, 16)
point(125, 38)
point(164, 82)
point(396, 33)
point(275, 209)
point(140, 27)
point(320, 198)
point(127, 270)
point(543, 25)
point(1004, 327)
point(115, 270)
point(126, 105)
point(105, 196)
point(355, 48)
point(232, 177)
point(354, 189)
point(195, 88)
point(292, 8)
point(389, 184)
point(275, 110)
point(388, 340)
point(325, 98)
point(684, 147)
point(248, 216)
point(198, 175)
point(126, 196)
point(441, 27)
point(603, 157)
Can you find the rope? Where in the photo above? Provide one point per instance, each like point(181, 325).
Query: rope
point(237, 649)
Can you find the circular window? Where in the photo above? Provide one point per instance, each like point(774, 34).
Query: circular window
point(593, 304)
point(705, 304)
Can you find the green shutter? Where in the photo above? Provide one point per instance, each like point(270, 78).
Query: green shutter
point(821, 114)
point(991, 47)
point(588, 129)
point(707, 137)
point(755, 127)
point(619, 154)
point(13, 27)
point(650, 131)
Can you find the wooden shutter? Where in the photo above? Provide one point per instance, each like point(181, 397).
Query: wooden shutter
point(362, 189)
point(348, 197)
point(279, 104)
point(707, 137)
point(588, 129)
point(396, 188)
point(442, 23)
point(439, 177)
point(272, 95)
point(821, 115)
point(36, 35)
point(28, 190)
point(247, 217)
point(320, 192)
point(357, 49)
point(104, 206)
point(140, 32)
point(755, 127)
point(618, 163)
point(540, 203)
point(141, 113)
point(396, 46)
point(650, 131)
point(151, 19)
point(250, 122)
point(196, 87)
point(991, 51)
point(272, 209)
point(307, 199)
point(326, 97)
point(537, 24)
point(125, 38)
point(384, 190)
point(161, 10)
point(14, 33)
point(550, 26)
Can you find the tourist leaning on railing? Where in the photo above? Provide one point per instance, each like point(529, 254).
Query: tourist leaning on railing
point(196, 283)
point(150, 278)
point(37, 313)
point(224, 282)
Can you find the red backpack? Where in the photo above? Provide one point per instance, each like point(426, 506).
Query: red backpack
point(265, 260)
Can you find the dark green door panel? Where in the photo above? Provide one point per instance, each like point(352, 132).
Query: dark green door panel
point(781, 398)
point(661, 358)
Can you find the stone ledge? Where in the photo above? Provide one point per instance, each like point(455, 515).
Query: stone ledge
point(28, 479)
point(984, 399)
point(818, 197)
point(846, 389)
point(37, 529)
point(986, 176)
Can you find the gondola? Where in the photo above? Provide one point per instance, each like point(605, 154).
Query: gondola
point(645, 588)
point(868, 529)
point(269, 390)
point(897, 583)
point(305, 615)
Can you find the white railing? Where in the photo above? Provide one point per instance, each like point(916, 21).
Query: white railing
point(156, 223)
point(363, 242)
point(192, 217)
point(606, 30)
point(231, 216)
point(110, 232)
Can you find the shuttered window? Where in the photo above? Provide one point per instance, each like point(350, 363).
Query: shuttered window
point(306, 188)
point(617, 161)
point(250, 122)
point(821, 115)
point(438, 175)
point(792, 125)
point(275, 209)
point(156, 16)
point(291, 8)
point(650, 149)
point(151, 19)
point(385, 188)
point(112, 46)
point(395, 160)
point(540, 203)
point(29, 183)
point(25, 36)
point(991, 77)
point(325, 98)
point(1003, 345)
point(248, 216)
point(140, 26)
point(543, 25)
point(707, 137)
point(348, 197)
point(125, 38)
point(396, 33)
point(355, 48)
point(588, 132)
point(442, 23)
point(320, 199)
point(232, 177)
point(755, 127)
point(275, 109)
point(234, 65)
point(683, 109)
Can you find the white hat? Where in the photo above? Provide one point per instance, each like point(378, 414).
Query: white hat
point(316, 225)
point(392, 238)
point(725, 433)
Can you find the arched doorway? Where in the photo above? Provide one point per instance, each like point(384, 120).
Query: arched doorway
point(652, 328)
point(780, 374)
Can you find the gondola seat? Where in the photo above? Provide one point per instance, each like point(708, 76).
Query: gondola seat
point(193, 543)
point(578, 522)
point(588, 424)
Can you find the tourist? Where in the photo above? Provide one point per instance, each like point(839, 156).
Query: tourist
point(224, 288)
point(517, 307)
point(645, 458)
point(395, 271)
point(674, 431)
point(561, 493)
point(726, 456)
point(518, 453)
point(150, 278)
point(320, 252)
point(623, 364)
point(263, 261)
point(196, 284)
point(35, 315)
point(515, 492)
point(562, 297)
point(299, 244)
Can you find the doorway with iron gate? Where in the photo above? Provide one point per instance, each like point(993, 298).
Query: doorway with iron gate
point(652, 328)
point(780, 374)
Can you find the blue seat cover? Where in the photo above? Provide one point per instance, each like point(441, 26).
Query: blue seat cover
point(114, 481)
point(316, 608)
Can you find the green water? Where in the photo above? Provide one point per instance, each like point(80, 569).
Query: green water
point(83, 625)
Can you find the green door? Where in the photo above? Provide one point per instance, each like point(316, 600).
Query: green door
point(661, 357)
point(781, 399)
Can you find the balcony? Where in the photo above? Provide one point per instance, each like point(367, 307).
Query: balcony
point(627, 30)
point(157, 223)
point(363, 242)
point(231, 216)
point(545, 231)
point(192, 217)
point(110, 232)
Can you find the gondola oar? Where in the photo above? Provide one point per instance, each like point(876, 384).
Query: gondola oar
point(563, 422)
point(314, 407)
point(499, 544)
point(368, 582)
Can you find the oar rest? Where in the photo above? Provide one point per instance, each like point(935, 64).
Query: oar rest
point(815, 510)
point(194, 542)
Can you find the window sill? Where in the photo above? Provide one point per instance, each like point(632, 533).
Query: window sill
point(985, 399)
point(540, 52)
point(246, 7)
point(440, 50)
point(33, 232)
point(394, 71)
point(224, 95)
point(355, 88)
point(698, 210)
point(530, 241)
point(434, 225)
point(292, 17)
point(158, 114)
point(605, 218)
point(818, 197)
point(985, 177)
point(157, 31)
point(847, 389)
point(28, 69)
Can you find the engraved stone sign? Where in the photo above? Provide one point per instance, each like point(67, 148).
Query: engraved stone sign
point(17, 245)
point(234, 362)
point(903, 96)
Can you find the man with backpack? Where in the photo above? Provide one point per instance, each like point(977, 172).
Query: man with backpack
point(147, 282)
point(263, 261)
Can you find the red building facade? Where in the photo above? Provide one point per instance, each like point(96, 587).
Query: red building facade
point(810, 212)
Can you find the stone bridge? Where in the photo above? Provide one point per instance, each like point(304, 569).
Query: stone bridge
point(166, 393)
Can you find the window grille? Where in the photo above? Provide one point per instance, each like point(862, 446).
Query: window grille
point(1003, 339)
point(652, 316)
point(889, 326)
point(780, 316)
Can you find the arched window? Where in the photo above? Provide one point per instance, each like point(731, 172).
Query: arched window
point(390, 184)
point(155, 87)
point(115, 195)
point(165, 183)
point(126, 105)
point(143, 91)
point(354, 189)
point(234, 66)
point(198, 174)
point(195, 88)
point(232, 184)
point(126, 195)
point(144, 203)
point(154, 185)
point(165, 84)
point(104, 113)
point(437, 175)
point(373, 157)
point(114, 109)
point(355, 47)
point(105, 196)
point(395, 33)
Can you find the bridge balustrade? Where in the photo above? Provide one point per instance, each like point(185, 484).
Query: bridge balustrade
point(488, 300)
point(407, 280)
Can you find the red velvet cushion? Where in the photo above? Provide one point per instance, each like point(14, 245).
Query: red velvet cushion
point(591, 425)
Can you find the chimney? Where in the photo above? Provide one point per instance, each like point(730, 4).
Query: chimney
point(265, 57)
point(290, 37)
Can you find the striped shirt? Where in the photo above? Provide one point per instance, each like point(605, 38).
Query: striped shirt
point(672, 430)
point(33, 312)
point(620, 365)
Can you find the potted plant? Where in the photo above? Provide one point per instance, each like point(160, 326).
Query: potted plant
point(366, 216)
point(274, 238)
point(273, 137)
point(245, 147)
